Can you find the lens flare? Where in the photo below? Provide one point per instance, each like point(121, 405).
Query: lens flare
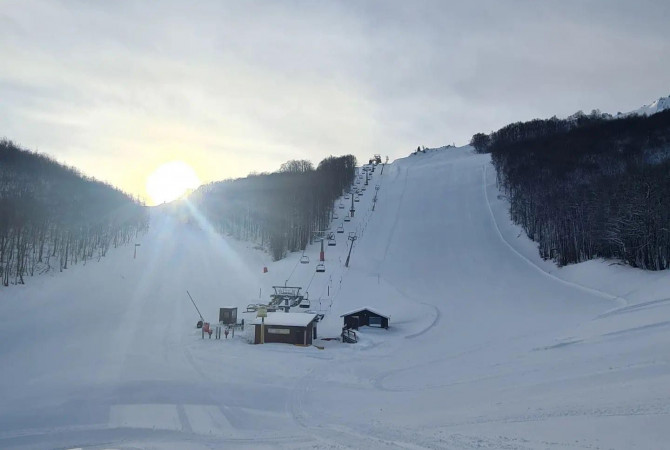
point(170, 181)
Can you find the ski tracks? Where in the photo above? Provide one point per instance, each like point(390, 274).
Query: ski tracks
point(395, 220)
point(622, 301)
point(333, 435)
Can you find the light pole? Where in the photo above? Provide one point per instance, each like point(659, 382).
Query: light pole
point(352, 238)
point(262, 312)
point(374, 200)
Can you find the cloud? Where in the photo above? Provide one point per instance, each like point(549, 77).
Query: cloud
point(117, 88)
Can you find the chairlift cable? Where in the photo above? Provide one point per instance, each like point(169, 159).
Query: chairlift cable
point(296, 265)
point(310, 282)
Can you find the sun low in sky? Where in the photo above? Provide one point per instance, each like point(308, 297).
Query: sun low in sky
point(170, 181)
point(247, 86)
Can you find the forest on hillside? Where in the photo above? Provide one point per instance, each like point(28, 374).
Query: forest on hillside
point(278, 211)
point(588, 186)
point(51, 216)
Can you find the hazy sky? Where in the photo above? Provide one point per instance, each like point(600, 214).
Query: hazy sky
point(118, 88)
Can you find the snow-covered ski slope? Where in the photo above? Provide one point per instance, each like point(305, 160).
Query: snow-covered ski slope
point(488, 346)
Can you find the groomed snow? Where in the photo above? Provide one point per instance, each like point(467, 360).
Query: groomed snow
point(490, 347)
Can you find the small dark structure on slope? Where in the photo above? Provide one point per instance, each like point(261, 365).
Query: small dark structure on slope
point(365, 317)
point(288, 328)
point(228, 316)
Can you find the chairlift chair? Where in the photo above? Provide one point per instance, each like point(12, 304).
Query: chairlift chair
point(335, 216)
point(347, 218)
point(332, 242)
point(340, 229)
point(304, 259)
point(341, 205)
point(305, 303)
point(357, 199)
point(321, 267)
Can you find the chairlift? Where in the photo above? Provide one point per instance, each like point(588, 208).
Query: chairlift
point(305, 303)
point(332, 242)
point(356, 199)
point(340, 229)
point(321, 267)
point(304, 259)
point(347, 218)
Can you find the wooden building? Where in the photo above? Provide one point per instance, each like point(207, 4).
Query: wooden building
point(365, 317)
point(288, 328)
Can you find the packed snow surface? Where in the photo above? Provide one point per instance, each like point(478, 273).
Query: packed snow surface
point(488, 346)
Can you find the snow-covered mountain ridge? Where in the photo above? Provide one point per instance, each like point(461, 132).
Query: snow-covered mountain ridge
point(654, 107)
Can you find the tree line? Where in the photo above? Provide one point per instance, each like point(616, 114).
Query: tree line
point(588, 186)
point(51, 216)
point(279, 211)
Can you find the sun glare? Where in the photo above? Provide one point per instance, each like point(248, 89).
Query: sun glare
point(170, 181)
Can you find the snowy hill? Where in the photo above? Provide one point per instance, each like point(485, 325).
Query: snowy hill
point(654, 107)
point(488, 346)
point(659, 105)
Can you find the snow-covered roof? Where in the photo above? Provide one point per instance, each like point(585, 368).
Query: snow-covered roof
point(363, 309)
point(287, 319)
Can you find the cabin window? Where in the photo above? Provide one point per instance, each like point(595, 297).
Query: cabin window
point(279, 331)
point(375, 321)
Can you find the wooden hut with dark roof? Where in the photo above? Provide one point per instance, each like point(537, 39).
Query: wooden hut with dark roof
point(365, 317)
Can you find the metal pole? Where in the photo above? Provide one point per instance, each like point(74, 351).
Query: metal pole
point(196, 307)
point(352, 239)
